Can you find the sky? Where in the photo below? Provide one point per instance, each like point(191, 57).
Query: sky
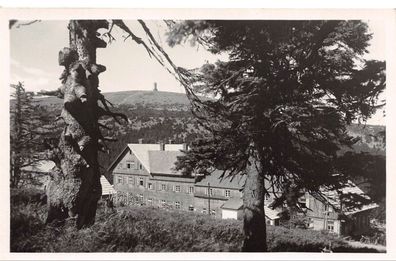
point(34, 58)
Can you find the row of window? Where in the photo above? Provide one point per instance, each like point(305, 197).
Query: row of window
point(140, 181)
point(164, 203)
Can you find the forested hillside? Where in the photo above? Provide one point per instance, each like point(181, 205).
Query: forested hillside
point(165, 116)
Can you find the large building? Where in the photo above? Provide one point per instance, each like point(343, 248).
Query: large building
point(145, 174)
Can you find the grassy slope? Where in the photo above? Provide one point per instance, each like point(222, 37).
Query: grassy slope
point(144, 229)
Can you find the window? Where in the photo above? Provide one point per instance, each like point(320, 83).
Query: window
point(191, 208)
point(211, 192)
point(140, 166)
point(141, 182)
point(150, 201)
point(302, 201)
point(120, 165)
point(330, 225)
point(204, 210)
point(163, 187)
point(150, 186)
point(227, 193)
point(266, 197)
point(119, 180)
point(177, 204)
point(177, 188)
point(130, 165)
point(163, 202)
point(213, 212)
point(190, 190)
point(130, 180)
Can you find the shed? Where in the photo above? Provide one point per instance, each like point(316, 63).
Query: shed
point(233, 209)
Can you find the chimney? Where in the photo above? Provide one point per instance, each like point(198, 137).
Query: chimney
point(185, 146)
point(162, 146)
point(140, 141)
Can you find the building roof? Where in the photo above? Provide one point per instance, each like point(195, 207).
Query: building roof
point(333, 198)
point(237, 203)
point(233, 204)
point(163, 162)
point(141, 151)
point(271, 213)
point(107, 188)
point(43, 166)
point(215, 180)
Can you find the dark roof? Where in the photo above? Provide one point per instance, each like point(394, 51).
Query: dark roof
point(163, 162)
point(215, 180)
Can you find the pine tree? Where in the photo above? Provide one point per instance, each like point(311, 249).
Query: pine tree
point(280, 106)
point(27, 128)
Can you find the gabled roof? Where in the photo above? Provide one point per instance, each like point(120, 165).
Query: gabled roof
point(163, 162)
point(215, 180)
point(141, 151)
point(233, 204)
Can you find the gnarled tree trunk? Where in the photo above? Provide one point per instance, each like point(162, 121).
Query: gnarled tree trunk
point(254, 225)
point(74, 188)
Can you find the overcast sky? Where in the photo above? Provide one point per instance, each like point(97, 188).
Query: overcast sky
point(34, 58)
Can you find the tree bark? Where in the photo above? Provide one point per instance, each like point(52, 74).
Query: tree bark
point(75, 188)
point(254, 225)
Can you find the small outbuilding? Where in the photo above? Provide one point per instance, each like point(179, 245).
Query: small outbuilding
point(233, 209)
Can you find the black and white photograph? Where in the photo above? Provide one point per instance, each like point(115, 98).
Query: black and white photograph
point(171, 133)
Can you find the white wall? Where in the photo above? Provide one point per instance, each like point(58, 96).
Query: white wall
point(226, 213)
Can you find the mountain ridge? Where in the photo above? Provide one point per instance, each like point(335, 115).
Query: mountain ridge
point(134, 97)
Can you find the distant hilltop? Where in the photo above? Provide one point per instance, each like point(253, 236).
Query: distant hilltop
point(153, 98)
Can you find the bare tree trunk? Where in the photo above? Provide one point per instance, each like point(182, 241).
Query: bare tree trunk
point(75, 189)
point(254, 225)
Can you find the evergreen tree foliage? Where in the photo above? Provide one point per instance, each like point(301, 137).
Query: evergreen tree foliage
point(29, 122)
point(281, 104)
